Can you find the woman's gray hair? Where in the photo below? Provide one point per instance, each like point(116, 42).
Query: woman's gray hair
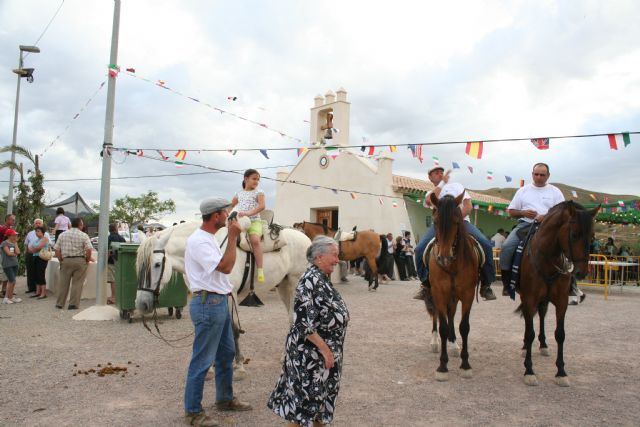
point(320, 246)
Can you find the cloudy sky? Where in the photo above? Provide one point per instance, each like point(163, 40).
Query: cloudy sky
point(415, 72)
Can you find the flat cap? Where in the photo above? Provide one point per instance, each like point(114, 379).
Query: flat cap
point(213, 204)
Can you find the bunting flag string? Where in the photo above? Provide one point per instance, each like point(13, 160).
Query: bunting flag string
point(162, 84)
point(618, 138)
point(474, 149)
point(66, 128)
point(541, 143)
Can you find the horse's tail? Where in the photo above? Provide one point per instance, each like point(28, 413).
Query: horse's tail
point(383, 248)
point(519, 310)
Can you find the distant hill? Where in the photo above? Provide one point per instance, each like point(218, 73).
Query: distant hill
point(583, 195)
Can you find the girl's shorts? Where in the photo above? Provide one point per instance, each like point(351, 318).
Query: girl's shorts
point(256, 228)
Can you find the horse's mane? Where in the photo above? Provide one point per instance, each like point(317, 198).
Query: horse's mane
point(143, 256)
point(583, 218)
point(447, 211)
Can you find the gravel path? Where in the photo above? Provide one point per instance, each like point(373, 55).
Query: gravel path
point(388, 377)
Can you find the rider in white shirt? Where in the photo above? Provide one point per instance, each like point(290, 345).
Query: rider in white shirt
point(530, 203)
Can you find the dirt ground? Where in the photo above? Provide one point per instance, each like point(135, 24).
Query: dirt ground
point(388, 377)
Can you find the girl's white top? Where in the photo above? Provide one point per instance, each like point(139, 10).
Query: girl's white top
point(248, 201)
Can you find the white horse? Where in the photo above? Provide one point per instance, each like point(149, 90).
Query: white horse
point(162, 253)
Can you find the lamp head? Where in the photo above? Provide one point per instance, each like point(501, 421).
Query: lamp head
point(31, 49)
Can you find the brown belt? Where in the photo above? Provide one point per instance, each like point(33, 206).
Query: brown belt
point(209, 292)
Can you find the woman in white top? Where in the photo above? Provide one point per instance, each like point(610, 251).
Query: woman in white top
point(250, 202)
point(63, 223)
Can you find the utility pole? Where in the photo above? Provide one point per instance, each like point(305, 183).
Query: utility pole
point(103, 225)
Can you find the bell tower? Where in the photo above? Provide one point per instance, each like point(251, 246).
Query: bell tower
point(330, 119)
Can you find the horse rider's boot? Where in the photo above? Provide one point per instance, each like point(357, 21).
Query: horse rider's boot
point(575, 293)
point(506, 278)
point(485, 288)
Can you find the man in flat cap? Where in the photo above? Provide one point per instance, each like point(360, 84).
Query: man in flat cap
point(207, 269)
point(487, 272)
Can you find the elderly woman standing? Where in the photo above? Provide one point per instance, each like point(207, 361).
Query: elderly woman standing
point(306, 392)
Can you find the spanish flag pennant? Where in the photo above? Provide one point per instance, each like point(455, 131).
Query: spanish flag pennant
point(474, 149)
point(181, 155)
point(393, 148)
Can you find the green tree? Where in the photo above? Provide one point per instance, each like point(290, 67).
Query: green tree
point(133, 210)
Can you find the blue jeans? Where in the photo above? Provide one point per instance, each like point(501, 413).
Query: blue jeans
point(212, 342)
point(487, 268)
point(510, 245)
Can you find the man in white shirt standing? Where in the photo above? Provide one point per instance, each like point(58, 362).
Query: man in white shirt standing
point(498, 238)
point(487, 270)
point(530, 203)
point(207, 269)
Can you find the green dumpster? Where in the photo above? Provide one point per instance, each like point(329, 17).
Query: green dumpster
point(172, 296)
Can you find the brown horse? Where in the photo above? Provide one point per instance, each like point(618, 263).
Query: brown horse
point(367, 244)
point(453, 273)
point(557, 250)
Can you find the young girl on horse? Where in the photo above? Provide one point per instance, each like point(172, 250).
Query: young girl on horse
point(250, 202)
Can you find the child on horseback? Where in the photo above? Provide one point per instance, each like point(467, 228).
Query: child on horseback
point(250, 202)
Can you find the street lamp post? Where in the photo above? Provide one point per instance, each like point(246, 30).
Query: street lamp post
point(28, 74)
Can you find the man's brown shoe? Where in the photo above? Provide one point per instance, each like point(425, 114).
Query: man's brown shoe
point(233, 405)
point(200, 419)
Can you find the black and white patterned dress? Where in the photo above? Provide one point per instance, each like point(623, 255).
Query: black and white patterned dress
point(307, 391)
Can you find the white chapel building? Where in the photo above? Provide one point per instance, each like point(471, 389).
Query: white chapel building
point(336, 165)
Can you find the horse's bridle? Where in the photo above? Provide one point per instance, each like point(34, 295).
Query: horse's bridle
point(156, 290)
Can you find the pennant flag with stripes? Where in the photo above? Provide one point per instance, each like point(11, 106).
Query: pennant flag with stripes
point(522, 183)
point(371, 150)
point(139, 153)
point(181, 155)
point(393, 148)
point(162, 155)
point(411, 147)
point(113, 70)
point(621, 203)
point(474, 149)
point(541, 143)
point(264, 153)
point(507, 178)
point(417, 152)
point(489, 175)
point(618, 138)
point(574, 194)
point(353, 196)
point(455, 165)
point(470, 168)
point(436, 160)
point(592, 197)
point(301, 151)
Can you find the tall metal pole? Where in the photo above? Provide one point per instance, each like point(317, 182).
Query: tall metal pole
point(103, 225)
point(13, 143)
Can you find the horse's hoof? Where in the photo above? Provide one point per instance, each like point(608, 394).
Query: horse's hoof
point(466, 373)
point(442, 376)
point(435, 348)
point(544, 351)
point(562, 381)
point(530, 380)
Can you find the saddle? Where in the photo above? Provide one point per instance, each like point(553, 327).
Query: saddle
point(343, 237)
point(476, 247)
point(270, 240)
point(524, 234)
